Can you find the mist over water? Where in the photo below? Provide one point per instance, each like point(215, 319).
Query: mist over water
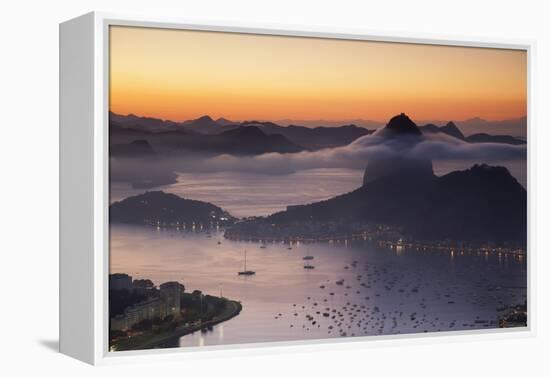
point(176, 173)
point(252, 194)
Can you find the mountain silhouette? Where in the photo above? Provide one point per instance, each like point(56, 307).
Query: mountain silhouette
point(449, 129)
point(402, 125)
point(514, 127)
point(503, 139)
point(250, 140)
point(137, 148)
point(403, 129)
point(125, 129)
point(480, 204)
point(225, 122)
point(315, 138)
point(452, 130)
point(242, 140)
point(165, 135)
point(204, 124)
point(132, 121)
point(158, 206)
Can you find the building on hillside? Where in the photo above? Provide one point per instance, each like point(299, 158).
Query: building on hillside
point(170, 293)
point(143, 286)
point(120, 282)
point(169, 302)
point(151, 309)
point(119, 322)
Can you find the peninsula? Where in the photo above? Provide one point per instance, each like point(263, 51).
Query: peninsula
point(142, 316)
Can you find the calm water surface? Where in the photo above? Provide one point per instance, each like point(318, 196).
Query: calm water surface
point(384, 291)
point(248, 194)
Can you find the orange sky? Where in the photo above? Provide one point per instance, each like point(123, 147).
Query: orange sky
point(179, 75)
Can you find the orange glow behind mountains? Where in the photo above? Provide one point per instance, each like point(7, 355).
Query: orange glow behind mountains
point(178, 75)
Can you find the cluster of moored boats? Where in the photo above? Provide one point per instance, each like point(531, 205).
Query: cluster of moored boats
point(348, 308)
point(354, 305)
point(247, 272)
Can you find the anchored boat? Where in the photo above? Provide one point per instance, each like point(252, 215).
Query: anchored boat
point(245, 271)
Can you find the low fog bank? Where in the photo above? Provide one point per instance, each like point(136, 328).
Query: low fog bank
point(152, 172)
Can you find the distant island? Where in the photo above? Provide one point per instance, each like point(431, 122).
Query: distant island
point(158, 208)
point(143, 316)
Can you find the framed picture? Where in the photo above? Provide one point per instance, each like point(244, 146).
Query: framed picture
point(225, 187)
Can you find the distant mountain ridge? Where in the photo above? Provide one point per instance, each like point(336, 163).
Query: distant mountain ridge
point(141, 123)
point(515, 127)
point(125, 130)
point(204, 124)
point(451, 129)
point(135, 148)
point(304, 138)
point(503, 139)
point(242, 140)
point(314, 138)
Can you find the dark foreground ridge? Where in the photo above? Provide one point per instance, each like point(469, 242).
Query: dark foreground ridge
point(481, 204)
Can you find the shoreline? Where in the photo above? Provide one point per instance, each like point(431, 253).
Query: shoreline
point(435, 245)
point(145, 341)
point(402, 245)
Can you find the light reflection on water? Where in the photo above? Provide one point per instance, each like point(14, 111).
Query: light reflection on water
point(386, 291)
point(248, 194)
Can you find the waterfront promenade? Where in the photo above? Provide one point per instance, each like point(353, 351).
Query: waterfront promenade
point(152, 340)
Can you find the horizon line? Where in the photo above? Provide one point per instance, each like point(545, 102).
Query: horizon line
point(315, 120)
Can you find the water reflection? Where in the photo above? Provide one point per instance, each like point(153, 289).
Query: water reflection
point(355, 289)
point(246, 194)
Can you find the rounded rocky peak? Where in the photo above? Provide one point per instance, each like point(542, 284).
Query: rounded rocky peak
point(402, 124)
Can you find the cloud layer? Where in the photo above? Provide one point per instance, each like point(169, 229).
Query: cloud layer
point(437, 147)
point(355, 155)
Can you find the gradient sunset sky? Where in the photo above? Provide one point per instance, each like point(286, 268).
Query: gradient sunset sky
point(179, 75)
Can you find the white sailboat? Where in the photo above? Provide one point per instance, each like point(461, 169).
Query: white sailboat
point(245, 271)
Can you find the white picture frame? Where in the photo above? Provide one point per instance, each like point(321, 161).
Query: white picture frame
point(84, 231)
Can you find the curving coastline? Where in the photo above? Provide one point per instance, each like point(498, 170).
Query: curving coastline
point(149, 340)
